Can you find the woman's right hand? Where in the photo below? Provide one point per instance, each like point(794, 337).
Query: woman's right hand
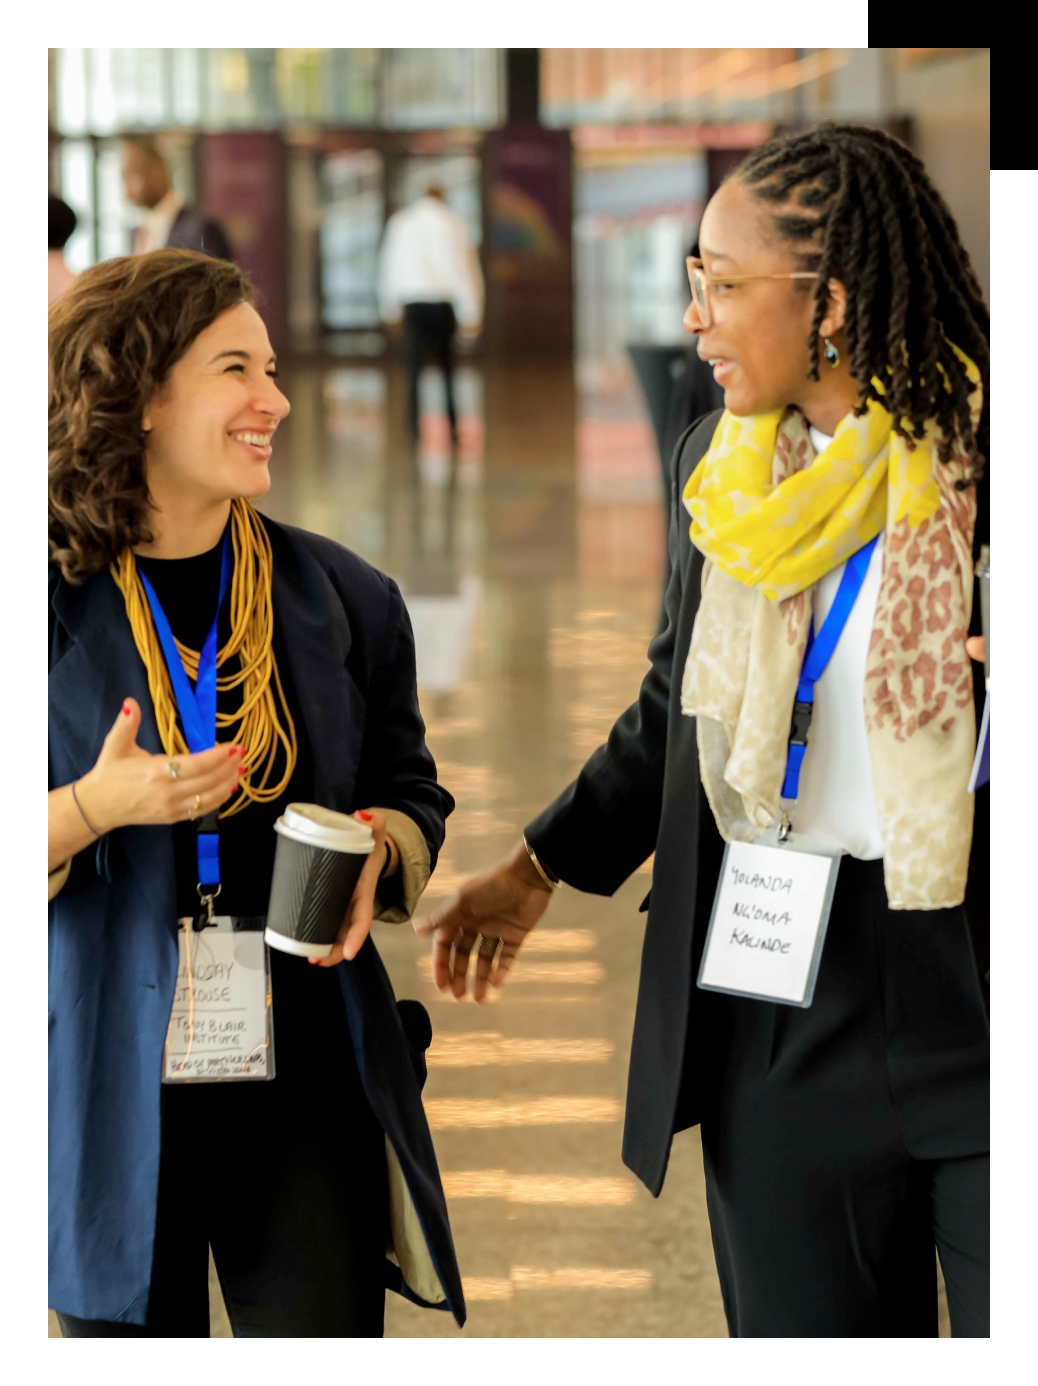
point(129, 785)
point(493, 912)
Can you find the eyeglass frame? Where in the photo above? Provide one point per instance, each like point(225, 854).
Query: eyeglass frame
point(694, 266)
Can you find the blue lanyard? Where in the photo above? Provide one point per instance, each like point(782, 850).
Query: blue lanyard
point(197, 707)
point(817, 655)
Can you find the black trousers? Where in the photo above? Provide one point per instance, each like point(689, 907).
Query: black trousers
point(286, 1180)
point(429, 332)
point(843, 1142)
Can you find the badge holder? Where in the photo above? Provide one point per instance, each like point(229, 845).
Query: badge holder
point(774, 896)
point(768, 924)
point(221, 1027)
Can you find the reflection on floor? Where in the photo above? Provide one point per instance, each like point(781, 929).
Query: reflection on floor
point(531, 566)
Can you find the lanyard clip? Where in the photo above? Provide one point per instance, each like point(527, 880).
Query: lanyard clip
point(785, 827)
point(207, 894)
point(800, 724)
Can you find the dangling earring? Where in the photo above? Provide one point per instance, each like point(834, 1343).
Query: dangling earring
point(830, 353)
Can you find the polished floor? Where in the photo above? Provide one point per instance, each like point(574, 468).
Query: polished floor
point(530, 561)
point(531, 566)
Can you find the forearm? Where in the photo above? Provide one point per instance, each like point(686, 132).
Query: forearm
point(67, 831)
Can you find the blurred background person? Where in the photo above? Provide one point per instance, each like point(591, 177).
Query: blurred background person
point(429, 276)
point(170, 221)
point(61, 222)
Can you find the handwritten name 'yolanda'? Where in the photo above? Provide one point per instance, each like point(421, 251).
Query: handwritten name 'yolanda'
point(756, 881)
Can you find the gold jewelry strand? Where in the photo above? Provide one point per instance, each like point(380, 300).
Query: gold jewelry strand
point(261, 730)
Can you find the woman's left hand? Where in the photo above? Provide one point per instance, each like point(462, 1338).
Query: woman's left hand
point(357, 924)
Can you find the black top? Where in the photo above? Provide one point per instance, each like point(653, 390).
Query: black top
point(188, 589)
point(307, 1000)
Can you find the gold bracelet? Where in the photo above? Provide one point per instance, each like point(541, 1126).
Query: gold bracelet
point(552, 885)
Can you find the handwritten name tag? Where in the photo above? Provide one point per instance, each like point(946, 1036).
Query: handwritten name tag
point(220, 1027)
point(768, 925)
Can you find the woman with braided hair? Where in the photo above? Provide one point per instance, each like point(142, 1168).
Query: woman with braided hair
point(845, 1135)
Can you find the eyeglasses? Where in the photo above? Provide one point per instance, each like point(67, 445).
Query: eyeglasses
point(699, 280)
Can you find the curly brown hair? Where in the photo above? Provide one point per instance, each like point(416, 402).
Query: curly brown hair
point(113, 338)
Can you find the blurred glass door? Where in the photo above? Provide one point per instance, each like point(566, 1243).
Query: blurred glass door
point(635, 218)
point(351, 187)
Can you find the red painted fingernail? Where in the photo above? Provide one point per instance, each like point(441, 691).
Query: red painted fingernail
point(126, 709)
point(365, 817)
point(233, 751)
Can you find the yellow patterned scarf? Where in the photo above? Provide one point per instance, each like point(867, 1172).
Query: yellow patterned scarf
point(771, 517)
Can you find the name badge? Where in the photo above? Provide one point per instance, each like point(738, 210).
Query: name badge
point(221, 1027)
point(768, 924)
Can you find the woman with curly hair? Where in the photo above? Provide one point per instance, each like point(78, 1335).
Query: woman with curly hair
point(843, 1136)
point(318, 1188)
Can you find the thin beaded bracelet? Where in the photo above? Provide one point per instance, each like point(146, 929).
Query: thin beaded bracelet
point(86, 820)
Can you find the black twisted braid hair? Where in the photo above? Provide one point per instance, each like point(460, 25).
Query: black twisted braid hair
point(864, 211)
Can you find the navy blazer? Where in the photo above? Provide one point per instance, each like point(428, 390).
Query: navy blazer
point(113, 944)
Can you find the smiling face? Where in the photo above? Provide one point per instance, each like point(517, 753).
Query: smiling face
point(758, 335)
point(210, 427)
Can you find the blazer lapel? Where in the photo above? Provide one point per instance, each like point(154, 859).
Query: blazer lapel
point(315, 634)
point(86, 688)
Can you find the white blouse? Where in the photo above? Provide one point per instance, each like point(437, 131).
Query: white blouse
point(837, 803)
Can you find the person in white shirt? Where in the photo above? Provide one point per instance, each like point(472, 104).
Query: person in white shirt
point(61, 222)
point(429, 279)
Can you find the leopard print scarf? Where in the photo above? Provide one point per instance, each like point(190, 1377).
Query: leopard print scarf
point(771, 516)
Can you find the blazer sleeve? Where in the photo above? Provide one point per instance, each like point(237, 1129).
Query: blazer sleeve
point(397, 773)
point(605, 824)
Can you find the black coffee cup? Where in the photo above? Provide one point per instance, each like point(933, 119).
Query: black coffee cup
point(320, 855)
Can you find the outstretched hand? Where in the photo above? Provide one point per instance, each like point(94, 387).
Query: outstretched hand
point(492, 913)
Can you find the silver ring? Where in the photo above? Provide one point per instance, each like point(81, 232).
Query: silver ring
point(174, 766)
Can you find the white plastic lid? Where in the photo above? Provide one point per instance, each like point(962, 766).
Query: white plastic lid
point(321, 827)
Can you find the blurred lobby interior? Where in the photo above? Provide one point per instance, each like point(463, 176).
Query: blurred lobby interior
point(531, 554)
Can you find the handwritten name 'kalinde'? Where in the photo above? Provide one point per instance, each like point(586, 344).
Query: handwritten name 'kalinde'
point(758, 882)
point(769, 945)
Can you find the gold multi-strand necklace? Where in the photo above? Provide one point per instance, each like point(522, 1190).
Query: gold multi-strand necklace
point(264, 723)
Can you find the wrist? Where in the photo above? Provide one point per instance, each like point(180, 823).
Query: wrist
point(90, 791)
point(521, 866)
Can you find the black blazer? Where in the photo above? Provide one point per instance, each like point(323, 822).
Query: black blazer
point(640, 793)
point(112, 940)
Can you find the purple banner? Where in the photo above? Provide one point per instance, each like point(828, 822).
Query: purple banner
point(527, 175)
point(243, 186)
